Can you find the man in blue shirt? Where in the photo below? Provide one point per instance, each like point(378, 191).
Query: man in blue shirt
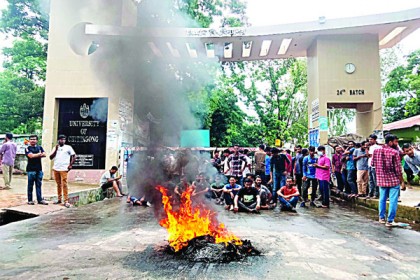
point(308, 178)
point(267, 165)
point(229, 192)
point(351, 168)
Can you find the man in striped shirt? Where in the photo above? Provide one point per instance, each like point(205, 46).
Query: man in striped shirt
point(389, 178)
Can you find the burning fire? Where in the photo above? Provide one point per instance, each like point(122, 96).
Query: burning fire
point(187, 223)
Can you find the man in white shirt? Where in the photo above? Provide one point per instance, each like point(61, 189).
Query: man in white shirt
point(109, 180)
point(64, 157)
point(373, 188)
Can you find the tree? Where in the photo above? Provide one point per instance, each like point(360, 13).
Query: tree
point(277, 93)
point(22, 82)
point(403, 90)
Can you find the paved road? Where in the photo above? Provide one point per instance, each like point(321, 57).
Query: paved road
point(111, 240)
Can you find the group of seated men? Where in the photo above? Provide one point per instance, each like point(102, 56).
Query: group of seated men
point(251, 197)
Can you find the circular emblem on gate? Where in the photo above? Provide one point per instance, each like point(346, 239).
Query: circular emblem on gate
point(84, 111)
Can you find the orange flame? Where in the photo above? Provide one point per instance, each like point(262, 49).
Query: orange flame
point(188, 222)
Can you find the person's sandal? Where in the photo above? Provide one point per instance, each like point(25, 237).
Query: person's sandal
point(57, 202)
point(67, 205)
point(43, 202)
point(31, 203)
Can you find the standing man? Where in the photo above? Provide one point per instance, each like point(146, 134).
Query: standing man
point(309, 179)
point(389, 176)
point(278, 171)
point(351, 169)
point(267, 165)
point(64, 157)
point(297, 168)
point(34, 154)
point(361, 159)
point(260, 161)
point(373, 187)
point(7, 157)
point(236, 162)
point(337, 166)
point(322, 173)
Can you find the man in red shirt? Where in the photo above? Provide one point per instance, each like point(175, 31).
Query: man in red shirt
point(288, 195)
point(387, 163)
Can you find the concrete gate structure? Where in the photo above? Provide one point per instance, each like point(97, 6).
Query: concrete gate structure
point(342, 58)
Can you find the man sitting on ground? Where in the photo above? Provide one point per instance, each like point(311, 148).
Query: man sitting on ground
point(288, 196)
point(264, 193)
point(229, 192)
point(201, 186)
point(248, 198)
point(217, 189)
point(108, 180)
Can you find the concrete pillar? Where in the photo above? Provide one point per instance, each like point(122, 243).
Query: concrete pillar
point(332, 85)
point(71, 72)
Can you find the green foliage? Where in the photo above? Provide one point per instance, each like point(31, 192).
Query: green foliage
point(338, 120)
point(21, 83)
point(21, 104)
point(403, 90)
point(24, 18)
point(28, 58)
point(277, 93)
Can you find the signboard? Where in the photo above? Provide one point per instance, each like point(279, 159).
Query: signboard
point(323, 123)
point(277, 143)
point(195, 138)
point(315, 110)
point(84, 122)
point(314, 137)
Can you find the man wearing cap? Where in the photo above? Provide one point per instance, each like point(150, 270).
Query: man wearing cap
point(7, 157)
point(64, 157)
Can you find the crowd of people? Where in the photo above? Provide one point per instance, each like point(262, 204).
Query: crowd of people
point(280, 178)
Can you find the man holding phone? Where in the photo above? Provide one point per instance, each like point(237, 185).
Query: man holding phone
point(64, 157)
point(109, 180)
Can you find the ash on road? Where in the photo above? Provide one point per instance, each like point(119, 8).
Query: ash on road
point(112, 240)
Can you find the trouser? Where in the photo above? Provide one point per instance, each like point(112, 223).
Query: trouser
point(351, 179)
point(373, 187)
point(299, 182)
point(392, 193)
point(35, 177)
point(7, 174)
point(310, 183)
point(340, 182)
point(289, 204)
point(362, 181)
point(324, 188)
point(61, 180)
point(246, 208)
point(279, 180)
point(347, 188)
point(228, 198)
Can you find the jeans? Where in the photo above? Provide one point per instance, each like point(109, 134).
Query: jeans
point(324, 188)
point(351, 179)
point(392, 193)
point(35, 177)
point(306, 184)
point(289, 204)
point(340, 182)
point(347, 188)
point(373, 188)
point(279, 180)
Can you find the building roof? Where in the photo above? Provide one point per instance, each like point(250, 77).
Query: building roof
point(410, 122)
point(257, 42)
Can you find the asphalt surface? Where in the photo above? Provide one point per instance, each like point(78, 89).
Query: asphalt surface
point(113, 240)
